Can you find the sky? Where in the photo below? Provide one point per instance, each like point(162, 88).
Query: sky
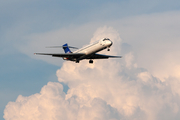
point(144, 84)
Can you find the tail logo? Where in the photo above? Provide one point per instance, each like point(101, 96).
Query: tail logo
point(66, 48)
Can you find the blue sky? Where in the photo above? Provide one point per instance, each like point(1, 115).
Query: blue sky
point(23, 22)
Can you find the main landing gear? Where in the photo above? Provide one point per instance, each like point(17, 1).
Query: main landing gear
point(108, 49)
point(91, 61)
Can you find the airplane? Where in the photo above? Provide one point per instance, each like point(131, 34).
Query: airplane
point(87, 52)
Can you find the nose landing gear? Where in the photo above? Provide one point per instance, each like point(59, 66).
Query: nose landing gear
point(91, 61)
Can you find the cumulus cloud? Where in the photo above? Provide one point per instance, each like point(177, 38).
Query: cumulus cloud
point(111, 89)
point(155, 41)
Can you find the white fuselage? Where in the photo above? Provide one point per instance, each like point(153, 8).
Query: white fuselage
point(95, 46)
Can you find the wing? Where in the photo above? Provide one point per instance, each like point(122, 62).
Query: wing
point(101, 56)
point(71, 55)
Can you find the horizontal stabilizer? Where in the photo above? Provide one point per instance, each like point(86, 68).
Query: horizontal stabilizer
point(61, 47)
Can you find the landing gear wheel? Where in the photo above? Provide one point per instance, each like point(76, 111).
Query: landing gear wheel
point(77, 61)
point(91, 61)
point(108, 49)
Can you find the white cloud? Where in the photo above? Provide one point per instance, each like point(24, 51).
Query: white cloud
point(106, 90)
point(129, 59)
point(155, 41)
point(50, 104)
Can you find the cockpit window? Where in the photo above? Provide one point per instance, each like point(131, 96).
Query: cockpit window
point(106, 39)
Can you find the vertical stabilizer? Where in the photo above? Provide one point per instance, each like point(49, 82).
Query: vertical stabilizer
point(66, 48)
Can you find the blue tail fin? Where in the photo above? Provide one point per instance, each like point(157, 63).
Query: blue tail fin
point(66, 48)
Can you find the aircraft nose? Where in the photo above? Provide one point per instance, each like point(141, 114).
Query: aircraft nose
point(109, 43)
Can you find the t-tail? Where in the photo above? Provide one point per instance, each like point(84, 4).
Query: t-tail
point(66, 48)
